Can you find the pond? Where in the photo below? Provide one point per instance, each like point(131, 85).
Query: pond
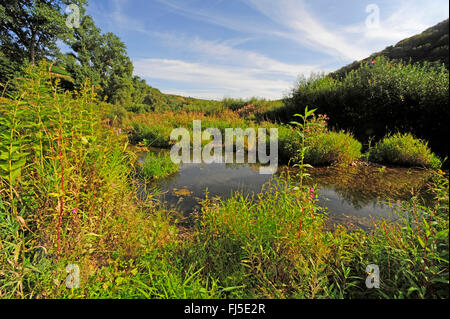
point(352, 196)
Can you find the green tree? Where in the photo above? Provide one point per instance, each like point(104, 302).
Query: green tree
point(29, 31)
point(103, 59)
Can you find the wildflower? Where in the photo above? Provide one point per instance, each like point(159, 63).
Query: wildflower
point(311, 192)
point(75, 210)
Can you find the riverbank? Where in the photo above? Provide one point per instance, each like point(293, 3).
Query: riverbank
point(69, 197)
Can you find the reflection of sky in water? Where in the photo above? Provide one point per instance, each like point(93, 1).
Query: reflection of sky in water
point(336, 204)
point(186, 188)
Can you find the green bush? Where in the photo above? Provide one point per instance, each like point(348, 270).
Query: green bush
point(150, 135)
point(332, 148)
point(404, 150)
point(323, 148)
point(114, 114)
point(289, 144)
point(378, 98)
point(139, 108)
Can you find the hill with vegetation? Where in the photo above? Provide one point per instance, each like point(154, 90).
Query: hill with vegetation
point(432, 45)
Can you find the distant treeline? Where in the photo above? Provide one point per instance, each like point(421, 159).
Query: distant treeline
point(380, 98)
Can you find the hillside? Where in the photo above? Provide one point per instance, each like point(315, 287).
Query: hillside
point(431, 45)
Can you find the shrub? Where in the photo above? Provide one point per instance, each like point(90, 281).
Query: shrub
point(151, 135)
point(332, 148)
point(265, 247)
point(289, 144)
point(114, 114)
point(385, 95)
point(139, 108)
point(404, 150)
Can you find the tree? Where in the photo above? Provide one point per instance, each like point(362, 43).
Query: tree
point(29, 29)
point(103, 59)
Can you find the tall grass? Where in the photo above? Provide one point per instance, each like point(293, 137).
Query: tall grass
point(158, 166)
point(67, 197)
point(66, 194)
point(403, 149)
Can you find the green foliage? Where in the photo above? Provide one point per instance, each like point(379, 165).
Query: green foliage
point(158, 165)
point(321, 146)
point(266, 247)
point(304, 140)
point(252, 109)
point(339, 148)
point(379, 98)
point(412, 253)
point(29, 29)
point(403, 149)
point(60, 167)
point(431, 45)
point(157, 135)
point(103, 59)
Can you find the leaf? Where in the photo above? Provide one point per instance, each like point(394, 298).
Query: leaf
point(296, 123)
point(18, 164)
point(4, 156)
point(14, 174)
point(232, 288)
point(421, 242)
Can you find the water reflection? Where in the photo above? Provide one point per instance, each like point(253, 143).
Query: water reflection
point(352, 195)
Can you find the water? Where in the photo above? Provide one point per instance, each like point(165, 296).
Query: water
point(353, 196)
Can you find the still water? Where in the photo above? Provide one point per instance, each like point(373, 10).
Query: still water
point(352, 196)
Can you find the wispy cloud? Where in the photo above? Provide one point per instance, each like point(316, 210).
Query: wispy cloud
point(213, 81)
point(234, 64)
point(307, 29)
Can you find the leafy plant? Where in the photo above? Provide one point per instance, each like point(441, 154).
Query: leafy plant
point(403, 149)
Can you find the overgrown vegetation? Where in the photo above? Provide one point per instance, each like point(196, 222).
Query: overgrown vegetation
point(67, 197)
point(158, 165)
point(428, 46)
point(404, 150)
point(65, 191)
point(69, 183)
point(380, 98)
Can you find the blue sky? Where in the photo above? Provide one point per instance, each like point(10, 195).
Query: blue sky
point(244, 48)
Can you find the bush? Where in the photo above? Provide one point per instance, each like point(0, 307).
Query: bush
point(114, 114)
point(404, 150)
point(150, 135)
point(139, 108)
point(332, 148)
point(379, 97)
point(289, 144)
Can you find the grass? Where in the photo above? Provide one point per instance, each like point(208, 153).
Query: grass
point(323, 146)
point(404, 150)
point(158, 165)
point(337, 148)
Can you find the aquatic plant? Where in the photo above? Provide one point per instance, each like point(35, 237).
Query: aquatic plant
point(404, 150)
point(158, 165)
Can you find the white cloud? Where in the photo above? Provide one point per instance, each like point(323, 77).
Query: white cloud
point(306, 29)
point(224, 70)
point(212, 81)
point(214, 69)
